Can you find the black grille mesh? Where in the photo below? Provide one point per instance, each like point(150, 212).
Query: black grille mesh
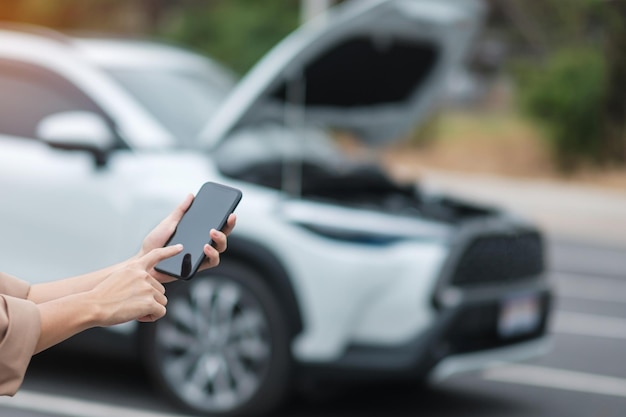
point(500, 258)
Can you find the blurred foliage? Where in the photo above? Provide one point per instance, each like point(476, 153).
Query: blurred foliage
point(566, 95)
point(235, 32)
point(615, 106)
point(112, 16)
point(567, 83)
point(564, 22)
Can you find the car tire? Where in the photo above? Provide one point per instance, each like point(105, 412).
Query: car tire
point(222, 349)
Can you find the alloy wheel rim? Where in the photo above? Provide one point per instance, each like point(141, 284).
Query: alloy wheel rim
point(214, 344)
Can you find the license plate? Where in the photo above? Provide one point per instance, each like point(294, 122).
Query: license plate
point(519, 315)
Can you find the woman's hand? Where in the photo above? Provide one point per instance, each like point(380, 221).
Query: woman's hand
point(128, 293)
point(220, 243)
point(132, 292)
point(162, 232)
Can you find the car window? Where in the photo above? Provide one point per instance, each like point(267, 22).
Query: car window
point(28, 93)
point(182, 101)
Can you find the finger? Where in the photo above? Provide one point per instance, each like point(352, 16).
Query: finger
point(162, 278)
point(180, 210)
point(230, 224)
point(158, 312)
point(160, 298)
point(155, 256)
point(156, 284)
point(174, 217)
point(212, 256)
point(219, 240)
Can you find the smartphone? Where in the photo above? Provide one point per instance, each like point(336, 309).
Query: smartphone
point(209, 210)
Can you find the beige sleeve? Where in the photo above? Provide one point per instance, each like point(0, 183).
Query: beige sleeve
point(20, 327)
point(12, 286)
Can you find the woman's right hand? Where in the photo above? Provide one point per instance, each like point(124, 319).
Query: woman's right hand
point(131, 293)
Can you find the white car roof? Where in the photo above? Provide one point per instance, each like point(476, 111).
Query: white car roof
point(141, 54)
point(81, 60)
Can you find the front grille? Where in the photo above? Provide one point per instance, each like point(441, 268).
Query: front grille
point(500, 258)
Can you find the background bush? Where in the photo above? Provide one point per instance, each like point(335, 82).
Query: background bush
point(235, 32)
point(566, 96)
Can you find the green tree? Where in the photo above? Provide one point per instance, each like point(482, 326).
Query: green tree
point(570, 82)
point(567, 96)
point(236, 32)
point(615, 104)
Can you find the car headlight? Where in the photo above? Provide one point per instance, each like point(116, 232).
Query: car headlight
point(352, 236)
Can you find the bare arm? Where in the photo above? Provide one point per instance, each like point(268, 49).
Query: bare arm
point(41, 293)
point(129, 293)
point(48, 291)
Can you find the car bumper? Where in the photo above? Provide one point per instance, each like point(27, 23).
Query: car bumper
point(468, 362)
point(462, 338)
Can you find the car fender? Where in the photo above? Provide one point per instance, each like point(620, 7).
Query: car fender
point(271, 269)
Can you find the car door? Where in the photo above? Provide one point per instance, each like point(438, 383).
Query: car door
point(53, 203)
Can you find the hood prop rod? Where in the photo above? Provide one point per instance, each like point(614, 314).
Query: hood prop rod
point(295, 117)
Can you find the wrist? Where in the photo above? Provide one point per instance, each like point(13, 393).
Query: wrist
point(93, 313)
point(64, 317)
point(83, 310)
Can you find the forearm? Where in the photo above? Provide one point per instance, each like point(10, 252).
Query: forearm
point(48, 291)
point(64, 317)
point(127, 293)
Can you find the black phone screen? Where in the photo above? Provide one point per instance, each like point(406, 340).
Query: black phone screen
point(209, 210)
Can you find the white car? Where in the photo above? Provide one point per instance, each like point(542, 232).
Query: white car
point(334, 270)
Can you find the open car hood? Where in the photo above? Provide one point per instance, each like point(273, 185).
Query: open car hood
point(373, 68)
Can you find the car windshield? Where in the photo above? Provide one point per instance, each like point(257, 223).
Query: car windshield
point(181, 101)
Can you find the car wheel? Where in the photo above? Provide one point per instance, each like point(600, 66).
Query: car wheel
point(222, 347)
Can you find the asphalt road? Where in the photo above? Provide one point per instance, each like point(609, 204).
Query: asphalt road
point(583, 375)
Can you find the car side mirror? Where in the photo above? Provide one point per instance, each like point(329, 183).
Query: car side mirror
point(78, 131)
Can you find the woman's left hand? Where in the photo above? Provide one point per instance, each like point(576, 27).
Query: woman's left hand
point(162, 232)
